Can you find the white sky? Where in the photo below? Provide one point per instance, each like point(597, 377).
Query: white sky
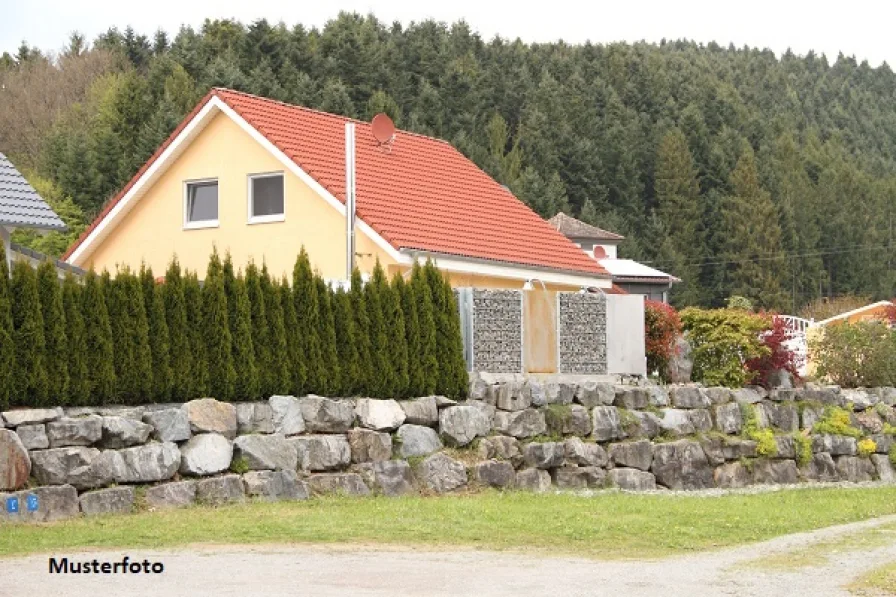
point(861, 28)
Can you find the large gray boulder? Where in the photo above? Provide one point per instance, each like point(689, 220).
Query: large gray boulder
point(579, 477)
point(538, 393)
point(322, 452)
point(417, 440)
point(513, 395)
point(826, 395)
point(115, 500)
point(520, 424)
point(681, 364)
point(57, 502)
point(206, 454)
point(220, 490)
point(606, 424)
point(700, 419)
point(720, 449)
point(494, 473)
point(632, 398)
point(533, 479)
point(208, 415)
point(835, 445)
point(379, 415)
point(15, 464)
point(30, 416)
point(732, 475)
point(629, 479)
point(884, 468)
point(719, 395)
point(370, 446)
point(676, 422)
point(689, 397)
point(544, 455)
point(287, 415)
point(681, 464)
point(501, 447)
point(648, 423)
point(820, 468)
point(85, 431)
point(784, 416)
point(594, 393)
point(559, 392)
point(810, 415)
point(747, 396)
point(169, 424)
point(855, 469)
point(886, 395)
point(441, 473)
point(107, 467)
point(421, 411)
point(171, 495)
point(860, 398)
point(638, 454)
point(393, 478)
point(265, 452)
point(119, 432)
point(585, 453)
point(323, 415)
point(786, 447)
point(348, 484)
point(34, 437)
point(275, 485)
point(728, 418)
point(150, 463)
point(52, 467)
point(460, 425)
point(775, 472)
point(571, 419)
point(254, 417)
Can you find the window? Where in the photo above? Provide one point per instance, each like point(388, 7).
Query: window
point(266, 198)
point(201, 209)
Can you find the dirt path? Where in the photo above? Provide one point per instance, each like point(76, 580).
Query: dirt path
point(246, 571)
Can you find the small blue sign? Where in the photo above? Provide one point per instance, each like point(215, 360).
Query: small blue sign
point(32, 502)
point(12, 505)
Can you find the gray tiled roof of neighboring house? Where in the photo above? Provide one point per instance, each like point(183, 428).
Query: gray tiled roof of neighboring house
point(20, 205)
point(573, 228)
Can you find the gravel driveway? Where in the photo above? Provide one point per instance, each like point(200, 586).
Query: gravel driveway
point(245, 571)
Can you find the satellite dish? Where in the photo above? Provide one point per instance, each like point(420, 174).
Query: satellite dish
point(383, 128)
point(599, 252)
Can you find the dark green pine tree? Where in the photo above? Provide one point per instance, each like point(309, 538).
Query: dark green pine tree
point(299, 372)
point(398, 339)
point(79, 377)
point(30, 383)
point(55, 337)
point(358, 304)
point(382, 383)
point(7, 347)
point(428, 334)
point(278, 348)
point(159, 340)
point(216, 332)
point(99, 347)
point(453, 378)
point(327, 334)
point(307, 328)
point(179, 333)
point(347, 344)
point(130, 329)
point(416, 371)
point(239, 319)
point(199, 365)
point(267, 377)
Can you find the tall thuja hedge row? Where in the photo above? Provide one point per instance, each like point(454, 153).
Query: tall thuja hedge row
point(130, 338)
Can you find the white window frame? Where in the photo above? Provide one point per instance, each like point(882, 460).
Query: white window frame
point(251, 199)
point(199, 224)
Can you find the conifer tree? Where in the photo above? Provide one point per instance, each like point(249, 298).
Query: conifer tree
point(179, 333)
point(30, 383)
point(199, 365)
point(99, 348)
point(449, 345)
point(159, 340)
point(299, 372)
point(56, 340)
point(426, 320)
point(239, 319)
point(278, 347)
point(130, 329)
point(382, 384)
point(260, 332)
point(327, 333)
point(7, 347)
point(398, 340)
point(307, 311)
point(347, 344)
point(76, 351)
point(416, 371)
point(216, 332)
point(358, 304)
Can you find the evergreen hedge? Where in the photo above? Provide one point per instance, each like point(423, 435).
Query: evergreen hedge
point(131, 339)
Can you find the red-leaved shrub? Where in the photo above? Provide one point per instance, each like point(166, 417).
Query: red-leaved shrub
point(779, 357)
point(662, 326)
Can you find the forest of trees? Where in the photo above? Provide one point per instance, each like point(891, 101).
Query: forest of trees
point(741, 172)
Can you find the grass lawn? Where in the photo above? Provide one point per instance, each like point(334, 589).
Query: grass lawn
point(881, 581)
point(608, 525)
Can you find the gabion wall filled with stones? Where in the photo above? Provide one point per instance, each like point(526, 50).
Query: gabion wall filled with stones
point(582, 333)
point(497, 331)
point(532, 435)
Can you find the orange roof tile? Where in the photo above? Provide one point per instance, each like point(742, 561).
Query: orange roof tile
point(421, 193)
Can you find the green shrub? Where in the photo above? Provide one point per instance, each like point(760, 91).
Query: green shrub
point(382, 382)
point(423, 300)
point(358, 302)
point(764, 438)
point(30, 383)
point(79, 386)
point(281, 377)
point(55, 334)
point(179, 332)
point(836, 421)
point(723, 340)
point(662, 328)
point(98, 347)
point(216, 332)
point(239, 319)
point(398, 340)
point(159, 339)
point(803, 448)
point(261, 344)
point(856, 354)
point(347, 344)
point(326, 325)
point(892, 454)
point(867, 447)
point(199, 366)
point(453, 379)
point(306, 330)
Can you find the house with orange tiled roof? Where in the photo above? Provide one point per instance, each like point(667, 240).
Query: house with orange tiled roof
point(261, 179)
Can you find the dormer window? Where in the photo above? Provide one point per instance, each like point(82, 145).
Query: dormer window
point(266, 198)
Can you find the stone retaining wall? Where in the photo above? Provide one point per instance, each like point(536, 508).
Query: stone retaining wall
point(525, 434)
